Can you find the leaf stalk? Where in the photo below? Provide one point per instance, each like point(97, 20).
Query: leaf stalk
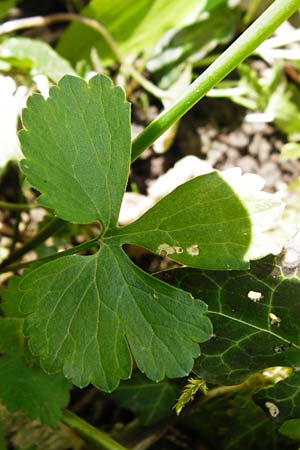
point(101, 439)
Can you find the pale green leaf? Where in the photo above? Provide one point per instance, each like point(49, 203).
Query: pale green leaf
point(202, 224)
point(195, 40)
point(253, 314)
point(77, 148)
point(150, 401)
point(89, 314)
point(290, 151)
point(35, 55)
point(135, 26)
point(29, 389)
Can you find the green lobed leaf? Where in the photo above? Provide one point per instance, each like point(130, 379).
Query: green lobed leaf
point(133, 25)
point(32, 391)
point(152, 402)
point(201, 224)
point(35, 55)
point(88, 314)
point(77, 148)
point(253, 314)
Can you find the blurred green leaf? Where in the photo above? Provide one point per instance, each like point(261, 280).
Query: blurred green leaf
point(135, 26)
point(31, 390)
point(34, 55)
point(291, 150)
point(191, 42)
point(291, 429)
point(5, 6)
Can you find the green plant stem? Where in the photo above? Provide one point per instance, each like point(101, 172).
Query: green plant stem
point(262, 28)
point(99, 438)
point(57, 255)
point(18, 206)
point(41, 21)
point(52, 227)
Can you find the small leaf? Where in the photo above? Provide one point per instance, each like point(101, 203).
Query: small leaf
point(32, 391)
point(202, 224)
point(77, 149)
point(291, 429)
point(35, 55)
point(253, 315)
point(151, 401)
point(86, 312)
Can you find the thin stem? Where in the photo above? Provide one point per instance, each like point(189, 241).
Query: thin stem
point(102, 440)
point(41, 21)
point(70, 251)
point(263, 27)
point(18, 206)
point(53, 226)
point(252, 8)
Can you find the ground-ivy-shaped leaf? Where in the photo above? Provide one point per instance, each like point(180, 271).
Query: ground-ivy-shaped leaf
point(89, 315)
point(150, 401)
point(254, 315)
point(31, 390)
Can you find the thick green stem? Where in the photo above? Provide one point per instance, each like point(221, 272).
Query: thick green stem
point(99, 438)
point(262, 28)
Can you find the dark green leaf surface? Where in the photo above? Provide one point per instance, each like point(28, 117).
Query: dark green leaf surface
point(87, 312)
point(151, 401)
point(35, 55)
point(11, 337)
point(249, 335)
point(284, 395)
point(201, 224)
point(29, 389)
point(252, 429)
point(10, 298)
point(77, 149)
